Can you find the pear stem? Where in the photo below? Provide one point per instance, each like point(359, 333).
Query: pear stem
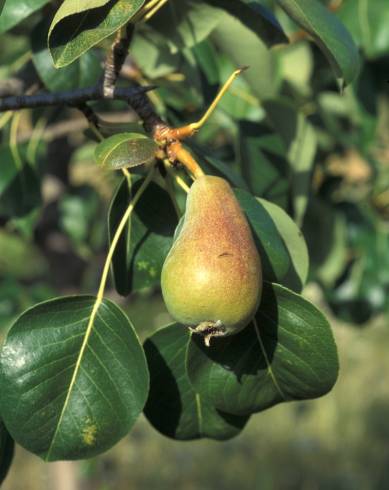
point(177, 152)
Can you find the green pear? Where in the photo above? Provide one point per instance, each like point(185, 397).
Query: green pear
point(212, 277)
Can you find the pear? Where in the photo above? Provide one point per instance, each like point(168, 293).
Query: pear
point(212, 277)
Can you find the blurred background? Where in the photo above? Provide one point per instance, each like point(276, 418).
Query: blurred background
point(53, 235)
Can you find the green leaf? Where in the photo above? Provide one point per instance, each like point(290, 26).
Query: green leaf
point(272, 249)
point(238, 102)
point(74, 7)
point(263, 162)
point(74, 378)
point(85, 72)
point(16, 11)
point(125, 150)
point(7, 447)
point(215, 166)
point(361, 289)
point(255, 17)
point(152, 54)
point(300, 141)
point(9, 168)
point(19, 188)
point(329, 33)
point(280, 243)
point(320, 239)
point(368, 23)
point(297, 274)
point(79, 218)
point(15, 297)
point(173, 407)
point(77, 26)
point(146, 240)
point(297, 54)
point(289, 355)
point(206, 58)
point(19, 257)
point(184, 23)
point(19, 182)
point(244, 48)
point(338, 254)
point(222, 169)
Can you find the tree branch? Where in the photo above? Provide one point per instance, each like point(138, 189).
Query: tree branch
point(89, 114)
point(115, 59)
point(143, 107)
point(72, 98)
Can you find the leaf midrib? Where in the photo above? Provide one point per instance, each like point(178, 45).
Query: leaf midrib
point(88, 332)
point(268, 364)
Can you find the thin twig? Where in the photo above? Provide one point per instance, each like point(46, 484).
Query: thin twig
point(113, 65)
point(72, 98)
point(90, 115)
point(145, 110)
point(93, 120)
point(115, 59)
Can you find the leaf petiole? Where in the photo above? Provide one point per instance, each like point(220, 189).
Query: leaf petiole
point(182, 183)
point(13, 140)
point(197, 125)
point(154, 10)
point(147, 11)
point(118, 232)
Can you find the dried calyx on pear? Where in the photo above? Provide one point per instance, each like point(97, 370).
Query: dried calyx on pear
point(212, 277)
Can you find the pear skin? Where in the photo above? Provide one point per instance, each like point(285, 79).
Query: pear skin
point(212, 277)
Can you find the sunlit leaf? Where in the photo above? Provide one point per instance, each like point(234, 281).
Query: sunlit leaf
point(328, 32)
point(125, 150)
point(294, 240)
point(73, 378)
point(368, 23)
point(15, 11)
point(272, 249)
point(244, 48)
point(84, 72)
point(77, 26)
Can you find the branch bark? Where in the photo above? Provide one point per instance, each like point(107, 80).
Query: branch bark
point(72, 98)
point(115, 59)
